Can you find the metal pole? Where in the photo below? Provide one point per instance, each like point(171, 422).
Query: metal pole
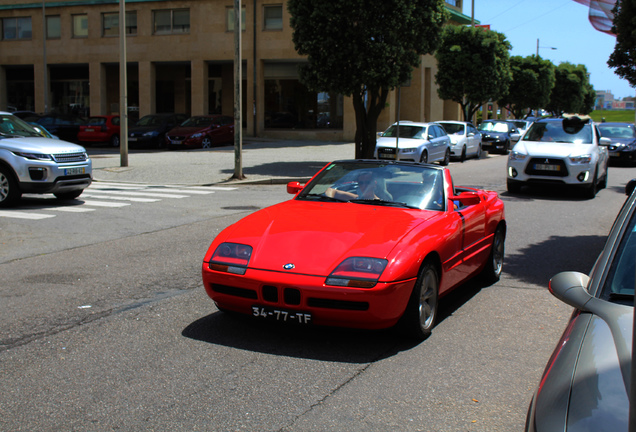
point(537, 47)
point(45, 67)
point(238, 94)
point(123, 84)
point(472, 14)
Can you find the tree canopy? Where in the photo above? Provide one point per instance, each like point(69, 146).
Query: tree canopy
point(473, 67)
point(623, 58)
point(532, 82)
point(572, 92)
point(363, 49)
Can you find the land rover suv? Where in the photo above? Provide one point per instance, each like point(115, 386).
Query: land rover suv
point(32, 163)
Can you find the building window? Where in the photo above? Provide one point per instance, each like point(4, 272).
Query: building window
point(80, 26)
point(110, 23)
point(16, 28)
point(229, 14)
point(53, 27)
point(456, 3)
point(273, 17)
point(171, 21)
point(290, 105)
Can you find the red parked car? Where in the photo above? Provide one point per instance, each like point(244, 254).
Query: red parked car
point(202, 132)
point(365, 244)
point(100, 129)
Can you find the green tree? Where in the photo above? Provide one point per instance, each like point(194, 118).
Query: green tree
point(623, 58)
point(572, 92)
point(532, 81)
point(363, 49)
point(473, 67)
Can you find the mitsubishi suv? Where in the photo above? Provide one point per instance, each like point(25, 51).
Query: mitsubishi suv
point(560, 151)
point(31, 163)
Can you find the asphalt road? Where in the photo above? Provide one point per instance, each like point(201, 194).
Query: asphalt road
point(105, 325)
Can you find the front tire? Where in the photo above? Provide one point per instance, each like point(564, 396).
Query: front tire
point(421, 311)
point(9, 189)
point(114, 141)
point(424, 157)
point(206, 143)
point(462, 158)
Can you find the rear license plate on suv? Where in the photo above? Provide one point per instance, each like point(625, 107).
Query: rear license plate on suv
point(281, 315)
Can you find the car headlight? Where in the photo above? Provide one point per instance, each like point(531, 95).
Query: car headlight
point(581, 160)
point(197, 135)
point(151, 133)
point(516, 156)
point(33, 156)
point(357, 272)
point(408, 150)
point(231, 258)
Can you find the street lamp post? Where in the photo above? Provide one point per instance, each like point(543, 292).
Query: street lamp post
point(552, 48)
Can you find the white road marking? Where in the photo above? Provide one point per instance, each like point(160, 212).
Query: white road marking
point(23, 215)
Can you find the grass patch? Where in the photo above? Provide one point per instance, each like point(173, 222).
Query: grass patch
point(613, 116)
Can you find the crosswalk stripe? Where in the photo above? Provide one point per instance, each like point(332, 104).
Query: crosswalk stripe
point(69, 209)
point(104, 204)
point(23, 215)
point(146, 194)
point(123, 198)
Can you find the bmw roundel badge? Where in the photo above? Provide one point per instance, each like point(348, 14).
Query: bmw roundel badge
point(289, 266)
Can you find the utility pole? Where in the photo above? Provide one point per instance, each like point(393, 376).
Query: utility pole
point(238, 94)
point(123, 84)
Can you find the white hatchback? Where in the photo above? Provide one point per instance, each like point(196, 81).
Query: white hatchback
point(560, 151)
point(417, 142)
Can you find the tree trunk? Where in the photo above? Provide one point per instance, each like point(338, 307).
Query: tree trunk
point(367, 120)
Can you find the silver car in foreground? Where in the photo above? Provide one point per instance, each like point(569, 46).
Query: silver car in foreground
point(416, 142)
point(31, 163)
point(585, 385)
point(465, 139)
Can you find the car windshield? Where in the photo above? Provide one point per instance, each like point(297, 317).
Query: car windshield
point(621, 277)
point(520, 124)
point(11, 127)
point(396, 185)
point(453, 128)
point(575, 132)
point(406, 131)
point(494, 127)
point(617, 131)
point(150, 121)
point(199, 122)
point(96, 121)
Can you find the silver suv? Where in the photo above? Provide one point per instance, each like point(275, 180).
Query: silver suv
point(31, 163)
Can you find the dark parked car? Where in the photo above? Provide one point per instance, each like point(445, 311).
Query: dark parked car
point(495, 135)
point(150, 130)
point(585, 385)
point(623, 136)
point(63, 126)
point(201, 132)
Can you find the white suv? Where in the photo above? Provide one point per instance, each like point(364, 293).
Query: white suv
point(566, 151)
point(31, 163)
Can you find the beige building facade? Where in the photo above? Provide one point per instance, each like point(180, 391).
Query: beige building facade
point(63, 56)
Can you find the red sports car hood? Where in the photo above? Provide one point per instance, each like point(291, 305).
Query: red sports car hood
point(316, 237)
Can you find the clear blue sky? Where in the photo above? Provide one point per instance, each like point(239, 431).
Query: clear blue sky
point(562, 24)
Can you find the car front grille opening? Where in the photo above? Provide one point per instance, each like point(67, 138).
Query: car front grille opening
point(270, 293)
point(291, 296)
point(234, 291)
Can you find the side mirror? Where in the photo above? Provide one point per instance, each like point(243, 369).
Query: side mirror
point(606, 142)
point(631, 185)
point(294, 187)
point(569, 287)
point(467, 198)
point(470, 134)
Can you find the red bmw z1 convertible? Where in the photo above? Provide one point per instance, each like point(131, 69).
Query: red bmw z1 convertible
point(365, 244)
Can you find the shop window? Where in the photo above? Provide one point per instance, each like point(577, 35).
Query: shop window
point(110, 24)
point(171, 21)
point(53, 27)
point(290, 105)
point(16, 28)
point(273, 16)
point(229, 14)
point(80, 26)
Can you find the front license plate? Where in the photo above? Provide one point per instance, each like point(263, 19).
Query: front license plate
point(132, 139)
point(281, 315)
point(614, 154)
point(74, 171)
point(89, 130)
point(386, 156)
point(547, 167)
point(175, 142)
